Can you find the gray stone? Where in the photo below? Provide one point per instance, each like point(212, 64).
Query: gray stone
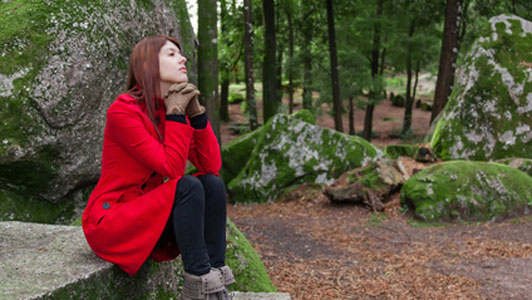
point(41, 261)
point(62, 63)
point(489, 113)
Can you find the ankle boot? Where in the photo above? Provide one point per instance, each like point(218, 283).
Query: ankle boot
point(203, 287)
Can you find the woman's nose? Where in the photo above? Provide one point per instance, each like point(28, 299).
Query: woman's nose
point(183, 60)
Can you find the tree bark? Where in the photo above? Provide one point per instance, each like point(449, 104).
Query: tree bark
point(370, 107)
point(291, 66)
point(208, 62)
point(416, 81)
point(307, 58)
point(248, 65)
point(224, 90)
point(407, 121)
point(270, 101)
point(351, 117)
point(448, 56)
point(337, 102)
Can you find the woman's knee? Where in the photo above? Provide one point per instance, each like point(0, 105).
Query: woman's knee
point(212, 182)
point(189, 184)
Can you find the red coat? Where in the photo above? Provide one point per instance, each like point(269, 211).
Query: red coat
point(129, 207)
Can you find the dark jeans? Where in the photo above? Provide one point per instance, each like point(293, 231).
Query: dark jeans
point(198, 221)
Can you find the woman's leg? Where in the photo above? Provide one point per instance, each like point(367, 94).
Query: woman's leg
point(188, 218)
point(215, 218)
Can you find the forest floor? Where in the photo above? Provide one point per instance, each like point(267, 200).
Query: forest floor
point(315, 249)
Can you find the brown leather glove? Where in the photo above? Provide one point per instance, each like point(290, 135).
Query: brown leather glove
point(178, 97)
point(194, 108)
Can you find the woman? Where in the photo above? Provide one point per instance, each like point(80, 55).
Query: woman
point(143, 205)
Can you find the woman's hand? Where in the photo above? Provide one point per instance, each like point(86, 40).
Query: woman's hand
point(194, 108)
point(178, 97)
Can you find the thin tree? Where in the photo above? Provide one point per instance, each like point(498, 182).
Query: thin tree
point(407, 120)
point(448, 56)
point(307, 55)
point(224, 89)
point(270, 101)
point(290, 69)
point(368, 118)
point(248, 63)
point(208, 62)
point(337, 102)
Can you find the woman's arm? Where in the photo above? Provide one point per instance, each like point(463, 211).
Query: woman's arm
point(204, 150)
point(125, 126)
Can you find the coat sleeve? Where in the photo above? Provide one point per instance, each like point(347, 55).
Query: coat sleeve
point(205, 152)
point(169, 159)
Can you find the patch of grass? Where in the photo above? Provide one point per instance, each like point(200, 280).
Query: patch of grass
point(418, 223)
point(376, 219)
point(521, 220)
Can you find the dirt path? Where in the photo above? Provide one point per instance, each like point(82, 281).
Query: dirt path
point(313, 249)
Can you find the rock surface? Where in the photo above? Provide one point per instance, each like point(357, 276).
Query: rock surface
point(62, 63)
point(236, 153)
point(467, 190)
point(371, 184)
point(489, 113)
point(291, 152)
point(41, 261)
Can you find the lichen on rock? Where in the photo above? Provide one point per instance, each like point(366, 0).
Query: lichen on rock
point(291, 152)
point(489, 113)
point(62, 63)
point(468, 190)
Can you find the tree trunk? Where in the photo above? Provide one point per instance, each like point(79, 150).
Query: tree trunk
point(248, 63)
point(351, 117)
point(291, 66)
point(448, 56)
point(208, 62)
point(224, 93)
point(416, 81)
point(383, 56)
point(307, 58)
point(337, 102)
point(407, 121)
point(368, 118)
point(270, 101)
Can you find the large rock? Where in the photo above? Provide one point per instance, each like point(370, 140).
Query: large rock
point(62, 63)
point(290, 152)
point(467, 190)
point(489, 114)
point(236, 153)
point(40, 261)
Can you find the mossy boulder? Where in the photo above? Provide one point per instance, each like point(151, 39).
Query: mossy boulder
point(291, 152)
point(489, 113)
point(467, 190)
point(236, 153)
point(62, 63)
point(522, 164)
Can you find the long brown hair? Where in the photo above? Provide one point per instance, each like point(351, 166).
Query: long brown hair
point(144, 78)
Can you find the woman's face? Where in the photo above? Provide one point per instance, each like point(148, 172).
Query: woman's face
point(172, 67)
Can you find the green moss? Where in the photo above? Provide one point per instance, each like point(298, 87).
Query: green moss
point(30, 176)
point(522, 164)
point(249, 271)
point(395, 151)
point(290, 152)
point(473, 191)
point(376, 219)
point(14, 207)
